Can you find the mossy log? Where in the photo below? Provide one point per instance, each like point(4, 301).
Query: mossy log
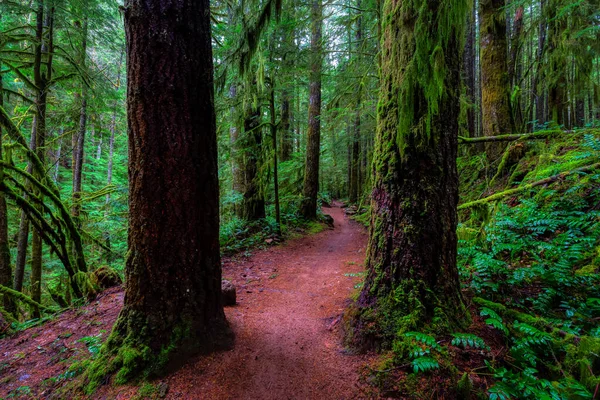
point(525, 136)
point(24, 298)
point(510, 192)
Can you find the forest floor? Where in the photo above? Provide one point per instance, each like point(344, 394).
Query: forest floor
point(287, 321)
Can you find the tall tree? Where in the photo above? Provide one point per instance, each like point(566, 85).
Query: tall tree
point(495, 98)
point(42, 79)
point(412, 277)
point(172, 306)
point(5, 267)
point(79, 136)
point(308, 208)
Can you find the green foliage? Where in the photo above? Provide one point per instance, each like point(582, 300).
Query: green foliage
point(467, 340)
point(533, 262)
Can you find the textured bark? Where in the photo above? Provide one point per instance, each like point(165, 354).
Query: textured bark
point(495, 104)
point(236, 156)
point(253, 203)
point(79, 140)
point(274, 144)
point(412, 277)
point(557, 79)
point(172, 307)
point(355, 166)
point(6, 276)
point(469, 72)
point(22, 241)
point(43, 50)
point(286, 134)
point(308, 207)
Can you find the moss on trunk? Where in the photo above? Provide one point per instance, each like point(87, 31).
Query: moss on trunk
point(172, 308)
point(412, 279)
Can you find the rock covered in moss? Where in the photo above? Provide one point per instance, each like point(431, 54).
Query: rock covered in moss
point(228, 293)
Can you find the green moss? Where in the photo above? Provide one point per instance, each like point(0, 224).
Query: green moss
point(583, 361)
point(131, 358)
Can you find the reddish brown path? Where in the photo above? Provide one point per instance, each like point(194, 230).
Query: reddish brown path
point(287, 345)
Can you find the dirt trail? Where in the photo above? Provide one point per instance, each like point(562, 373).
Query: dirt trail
point(290, 299)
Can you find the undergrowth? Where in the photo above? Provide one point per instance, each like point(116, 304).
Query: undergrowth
point(529, 268)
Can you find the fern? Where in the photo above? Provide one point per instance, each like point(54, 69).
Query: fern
point(424, 364)
point(423, 338)
point(467, 340)
point(494, 319)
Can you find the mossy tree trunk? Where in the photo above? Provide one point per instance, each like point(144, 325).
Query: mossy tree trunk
point(5, 267)
point(355, 166)
point(172, 306)
point(557, 53)
point(42, 78)
point(308, 207)
point(412, 278)
point(251, 147)
point(469, 72)
point(495, 84)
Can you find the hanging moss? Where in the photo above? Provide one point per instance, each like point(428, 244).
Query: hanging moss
point(422, 60)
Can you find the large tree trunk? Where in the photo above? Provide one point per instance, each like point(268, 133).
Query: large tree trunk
point(308, 207)
point(494, 73)
point(172, 308)
point(412, 278)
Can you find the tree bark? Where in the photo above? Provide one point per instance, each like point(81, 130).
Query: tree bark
point(172, 308)
point(412, 277)
point(251, 147)
point(469, 72)
point(308, 207)
point(78, 149)
point(6, 276)
point(43, 49)
point(495, 103)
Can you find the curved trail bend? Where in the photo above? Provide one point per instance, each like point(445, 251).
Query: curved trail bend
point(290, 298)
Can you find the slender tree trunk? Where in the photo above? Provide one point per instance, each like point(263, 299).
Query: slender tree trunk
point(469, 72)
point(253, 204)
point(6, 275)
point(557, 86)
point(308, 207)
point(412, 277)
point(43, 50)
point(495, 101)
point(78, 149)
point(237, 160)
point(172, 308)
point(22, 241)
point(286, 139)
point(275, 172)
point(355, 170)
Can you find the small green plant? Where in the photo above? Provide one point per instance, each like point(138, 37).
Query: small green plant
point(93, 343)
point(469, 340)
point(420, 353)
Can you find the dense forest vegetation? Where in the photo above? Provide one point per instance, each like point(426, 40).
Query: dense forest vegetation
point(141, 142)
